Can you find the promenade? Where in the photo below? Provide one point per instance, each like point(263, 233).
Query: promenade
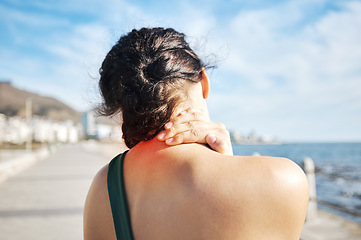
point(45, 201)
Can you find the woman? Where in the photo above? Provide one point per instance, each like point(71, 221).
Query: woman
point(166, 190)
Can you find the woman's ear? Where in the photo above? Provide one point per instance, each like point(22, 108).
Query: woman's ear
point(205, 84)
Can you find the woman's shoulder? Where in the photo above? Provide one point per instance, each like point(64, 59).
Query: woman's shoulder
point(98, 221)
point(262, 192)
point(257, 191)
point(237, 193)
point(251, 190)
point(215, 173)
point(207, 163)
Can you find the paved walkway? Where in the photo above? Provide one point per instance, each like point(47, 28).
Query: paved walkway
point(328, 226)
point(46, 200)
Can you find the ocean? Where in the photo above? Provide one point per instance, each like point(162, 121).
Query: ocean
point(338, 171)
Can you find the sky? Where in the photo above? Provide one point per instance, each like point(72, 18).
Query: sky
point(285, 69)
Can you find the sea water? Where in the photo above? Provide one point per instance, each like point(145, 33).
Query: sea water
point(338, 171)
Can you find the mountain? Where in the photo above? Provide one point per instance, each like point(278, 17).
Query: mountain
point(12, 103)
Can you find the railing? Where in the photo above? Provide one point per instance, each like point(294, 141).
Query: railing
point(309, 168)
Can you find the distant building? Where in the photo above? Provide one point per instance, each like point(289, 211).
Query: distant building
point(16, 130)
point(2, 127)
point(110, 132)
point(252, 138)
point(89, 125)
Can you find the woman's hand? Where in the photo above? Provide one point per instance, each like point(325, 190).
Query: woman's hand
point(190, 126)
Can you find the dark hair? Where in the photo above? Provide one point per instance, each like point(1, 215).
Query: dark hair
point(141, 76)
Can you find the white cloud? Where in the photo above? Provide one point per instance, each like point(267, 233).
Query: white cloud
point(318, 64)
point(286, 66)
point(64, 60)
point(14, 16)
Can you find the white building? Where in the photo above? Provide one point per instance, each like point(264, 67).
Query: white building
point(89, 124)
point(17, 130)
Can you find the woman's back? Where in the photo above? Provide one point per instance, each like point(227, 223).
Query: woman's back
point(191, 192)
point(186, 191)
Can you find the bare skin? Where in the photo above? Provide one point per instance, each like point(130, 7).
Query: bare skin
point(189, 191)
point(191, 126)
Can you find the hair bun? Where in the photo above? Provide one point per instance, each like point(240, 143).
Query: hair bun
point(142, 76)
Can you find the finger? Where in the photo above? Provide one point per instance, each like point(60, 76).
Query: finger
point(188, 116)
point(170, 124)
point(170, 131)
point(219, 145)
point(190, 136)
point(181, 112)
point(215, 143)
point(194, 129)
point(161, 135)
point(178, 139)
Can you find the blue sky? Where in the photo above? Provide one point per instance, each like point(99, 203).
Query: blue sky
point(290, 69)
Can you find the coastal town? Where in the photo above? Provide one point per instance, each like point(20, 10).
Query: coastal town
point(19, 131)
point(252, 138)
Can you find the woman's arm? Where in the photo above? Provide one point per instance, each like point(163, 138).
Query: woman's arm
point(190, 126)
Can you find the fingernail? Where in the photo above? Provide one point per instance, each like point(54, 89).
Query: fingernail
point(169, 140)
point(168, 125)
point(212, 138)
point(161, 136)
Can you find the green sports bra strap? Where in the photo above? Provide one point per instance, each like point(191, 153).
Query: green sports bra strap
point(118, 198)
